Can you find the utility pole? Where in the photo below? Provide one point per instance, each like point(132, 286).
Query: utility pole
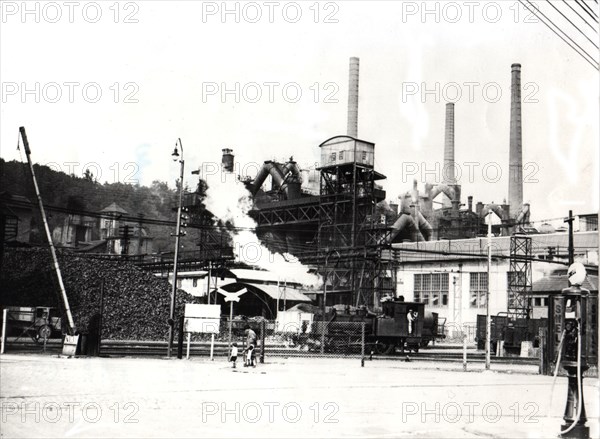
point(488, 320)
point(570, 220)
point(48, 234)
point(208, 283)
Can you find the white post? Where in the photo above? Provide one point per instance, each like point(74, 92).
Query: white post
point(230, 321)
point(278, 294)
point(61, 284)
point(189, 341)
point(212, 346)
point(465, 352)
point(3, 341)
point(488, 320)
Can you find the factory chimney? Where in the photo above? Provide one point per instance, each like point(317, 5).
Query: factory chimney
point(515, 159)
point(353, 98)
point(227, 160)
point(449, 170)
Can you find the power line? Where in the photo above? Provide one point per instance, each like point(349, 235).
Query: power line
point(588, 10)
point(221, 228)
point(576, 27)
point(474, 256)
point(580, 16)
point(537, 13)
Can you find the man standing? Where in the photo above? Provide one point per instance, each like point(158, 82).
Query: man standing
point(411, 317)
point(250, 344)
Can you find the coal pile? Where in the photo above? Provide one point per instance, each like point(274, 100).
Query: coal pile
point(136, 303)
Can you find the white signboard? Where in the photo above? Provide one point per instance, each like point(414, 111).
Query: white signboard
point(200, 318)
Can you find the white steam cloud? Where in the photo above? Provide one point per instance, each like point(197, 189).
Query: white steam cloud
point(228, 200)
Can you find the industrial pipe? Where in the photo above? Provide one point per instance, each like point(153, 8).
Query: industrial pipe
point(268, 168)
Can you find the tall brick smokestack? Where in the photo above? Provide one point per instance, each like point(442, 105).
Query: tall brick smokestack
point(448, 170)
point(353, 98)
point(515, 159)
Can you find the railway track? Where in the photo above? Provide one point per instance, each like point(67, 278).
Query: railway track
point(114, 348)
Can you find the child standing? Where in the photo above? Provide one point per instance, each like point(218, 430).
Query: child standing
point(234, 354)
point(249, 356)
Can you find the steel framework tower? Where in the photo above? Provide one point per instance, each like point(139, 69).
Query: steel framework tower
point(357, 266)
point(519, 277)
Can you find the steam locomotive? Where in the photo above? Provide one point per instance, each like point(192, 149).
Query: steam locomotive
point(402, 325)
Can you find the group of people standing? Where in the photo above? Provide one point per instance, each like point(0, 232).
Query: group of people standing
point(248, 353)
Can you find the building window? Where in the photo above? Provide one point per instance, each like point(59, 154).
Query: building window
point(364, 156)
point(590, 223)
point(195, 282)
point(478, 289)
point(178, 283)
point(341, 155)
point(431, 289)
point(332, 157)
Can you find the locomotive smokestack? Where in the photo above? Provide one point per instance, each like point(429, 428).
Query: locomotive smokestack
point(227, 160)
point(515, 159)
point(449, 174)
point(353, 98)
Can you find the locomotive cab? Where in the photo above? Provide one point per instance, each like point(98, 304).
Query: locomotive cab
point(400, 325)
point(401, 319)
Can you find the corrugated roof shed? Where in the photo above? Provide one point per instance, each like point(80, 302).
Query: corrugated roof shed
point(555, 284)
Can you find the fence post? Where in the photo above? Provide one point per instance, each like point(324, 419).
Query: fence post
point(4, 320)
point(262, 341)
point(180, 340)
point(362, 344)
point(542, 352)
point(323, 335)
point(101, 321)
point(465, 352)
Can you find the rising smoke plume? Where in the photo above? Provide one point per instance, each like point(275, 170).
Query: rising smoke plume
point(228, 200)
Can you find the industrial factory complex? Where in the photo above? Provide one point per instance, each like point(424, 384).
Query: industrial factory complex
point(299, 219)
point(424, 243)
point(429, 244)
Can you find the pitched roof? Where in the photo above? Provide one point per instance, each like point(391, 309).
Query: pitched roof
point(114, 208)
point(273, 291)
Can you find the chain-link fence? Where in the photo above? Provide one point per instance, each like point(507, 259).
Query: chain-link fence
point(332, 339)
point(283, 338)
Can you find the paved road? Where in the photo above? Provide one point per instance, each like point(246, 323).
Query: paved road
point(43, 396)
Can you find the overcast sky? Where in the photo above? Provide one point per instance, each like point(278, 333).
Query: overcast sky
point(167, 63)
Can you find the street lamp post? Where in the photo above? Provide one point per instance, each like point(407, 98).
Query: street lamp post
point(176, 255)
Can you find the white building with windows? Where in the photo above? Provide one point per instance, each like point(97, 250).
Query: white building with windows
point(451, 277)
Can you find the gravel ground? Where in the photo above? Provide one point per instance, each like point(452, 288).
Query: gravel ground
point(43, 396)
